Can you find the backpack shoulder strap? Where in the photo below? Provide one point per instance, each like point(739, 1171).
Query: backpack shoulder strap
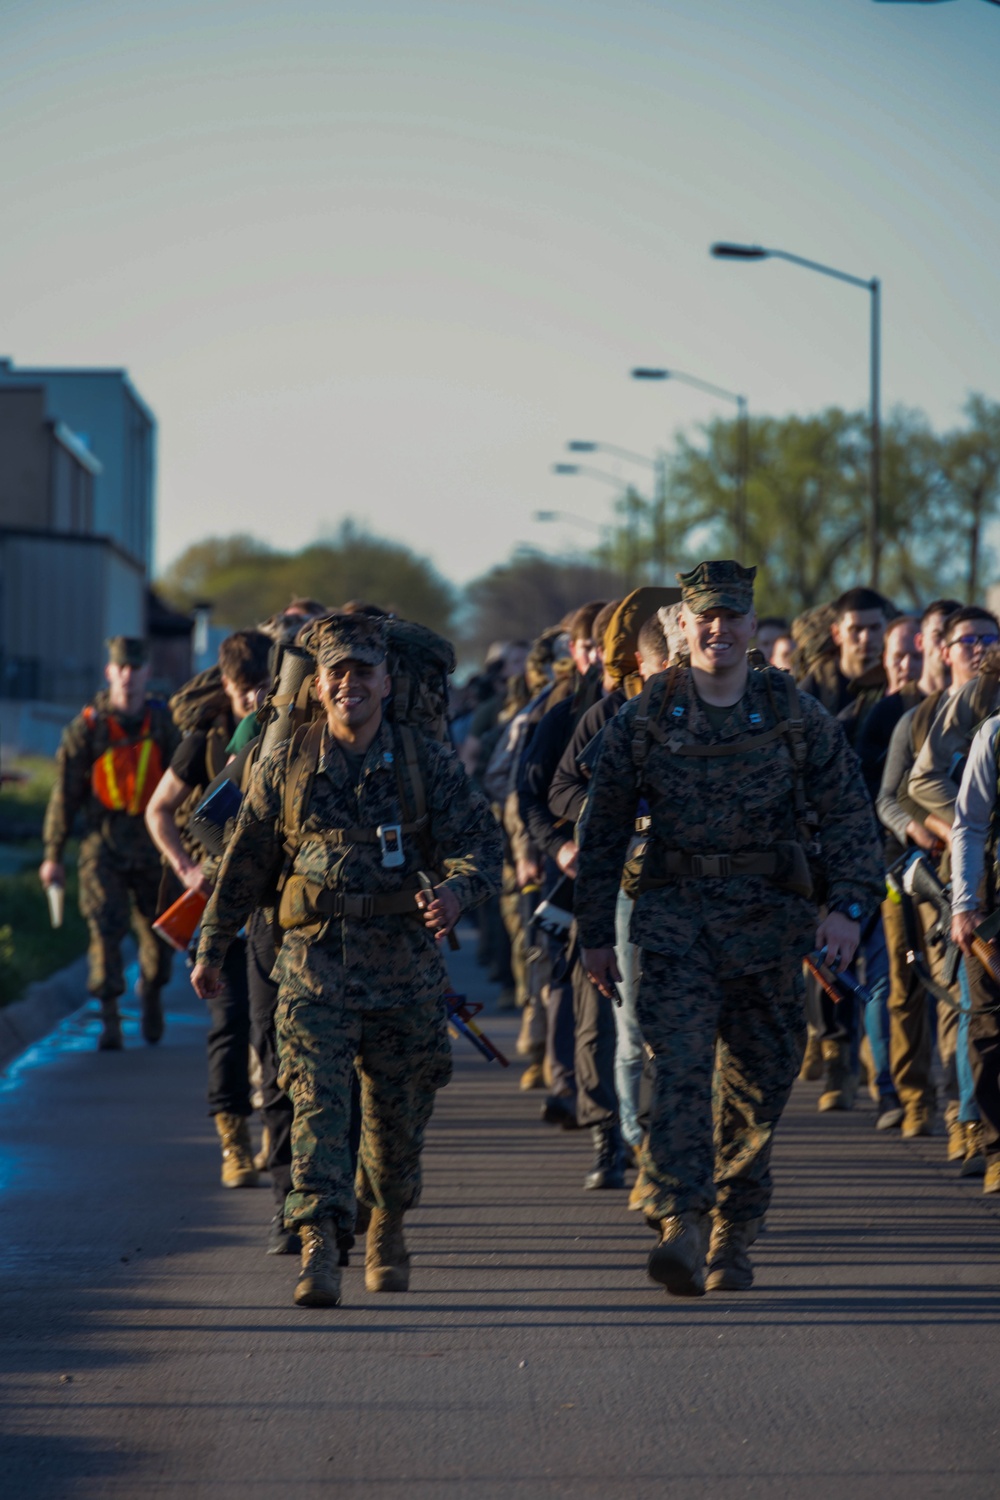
point(793, 728)
point(411, 760)
point(645, 727)
point(300, 768)
point(216, 740)
point(923, 718)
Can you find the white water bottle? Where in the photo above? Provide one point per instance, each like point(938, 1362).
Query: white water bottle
point(56, 895)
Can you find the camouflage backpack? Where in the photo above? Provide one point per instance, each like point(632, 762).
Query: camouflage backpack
point(202, 705)
point(420, 664)
point(199, 702)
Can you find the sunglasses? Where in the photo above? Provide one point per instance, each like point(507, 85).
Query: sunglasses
point(974, 640)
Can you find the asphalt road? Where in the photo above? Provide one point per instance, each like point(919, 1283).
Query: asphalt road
point(149, 1348)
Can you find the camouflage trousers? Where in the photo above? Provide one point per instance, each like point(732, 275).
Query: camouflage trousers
point(402, 1056)
point(726, 1055)
point(114, 895)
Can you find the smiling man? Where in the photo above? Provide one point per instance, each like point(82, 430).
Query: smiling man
point(378, 842)
point(739, 771)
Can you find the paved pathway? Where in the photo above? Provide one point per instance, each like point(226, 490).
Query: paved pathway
point(149, 1348)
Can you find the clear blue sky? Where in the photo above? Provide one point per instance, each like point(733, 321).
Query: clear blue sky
point(384, 259)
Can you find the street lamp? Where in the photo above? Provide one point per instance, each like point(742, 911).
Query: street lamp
point(579, 446)
point(723, 251)
point(644, 372)
point(568, 515)
point(591, 473)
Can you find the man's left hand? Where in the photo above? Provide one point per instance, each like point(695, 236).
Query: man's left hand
point(440, 909)
point(963, 928)
point(840, 937)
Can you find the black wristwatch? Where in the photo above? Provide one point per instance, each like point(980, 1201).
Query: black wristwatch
point(853, 911)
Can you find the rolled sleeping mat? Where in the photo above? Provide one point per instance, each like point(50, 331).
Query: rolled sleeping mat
point(297, 667)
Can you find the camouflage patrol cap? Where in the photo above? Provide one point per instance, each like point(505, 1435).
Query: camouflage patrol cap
point(718, 585)
point(127, 651)
point(340, 637)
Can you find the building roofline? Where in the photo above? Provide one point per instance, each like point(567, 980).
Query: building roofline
point(36, 534)
point(44, 372)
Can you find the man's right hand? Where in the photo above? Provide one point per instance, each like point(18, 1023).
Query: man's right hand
point(602, 969)
point(51, 872)
point(567, 857)
point(192, 879)
point(922, 837)
point(206, 981)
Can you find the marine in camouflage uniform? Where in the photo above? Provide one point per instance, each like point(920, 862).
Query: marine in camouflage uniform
point(722, 917)
point(107, 766)
point(361, 978)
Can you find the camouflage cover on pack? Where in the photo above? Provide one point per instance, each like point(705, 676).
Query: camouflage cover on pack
point(420, 663)
point(199, 702)
point(621, 638)
point(811, 634)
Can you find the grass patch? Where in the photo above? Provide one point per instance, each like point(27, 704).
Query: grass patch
point(29, 947)
point(23, 803)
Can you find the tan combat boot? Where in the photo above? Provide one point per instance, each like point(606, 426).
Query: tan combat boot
point(812, 1060)
point(319, 1279)
point(533, 1076)
point(840, 1085)
point(387, 1261)
point(729, 1268)
point(974, 1159)
point(678, 1262)
point(991, 1181)
point(640, 1191)
point(956, 1140)
point(110, 1039)
point(152, 1012)
point(263, 1156)
point(238, 1169)
point(918, 1120)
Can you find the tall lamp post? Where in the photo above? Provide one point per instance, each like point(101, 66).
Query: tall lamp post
point(644, 372)
point(579, 446)
point(724, 251)
point(591, 473)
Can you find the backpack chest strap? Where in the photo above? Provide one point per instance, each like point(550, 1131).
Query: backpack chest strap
point(343, 838)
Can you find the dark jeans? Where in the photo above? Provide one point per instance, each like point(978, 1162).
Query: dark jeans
point(594, 1058)
point(229, 1038)
point(277, 1111)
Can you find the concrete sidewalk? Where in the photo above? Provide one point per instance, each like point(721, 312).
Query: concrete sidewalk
point(149, 1348)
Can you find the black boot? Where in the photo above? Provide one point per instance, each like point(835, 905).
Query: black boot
point(281, 1241)
point(609, 1165)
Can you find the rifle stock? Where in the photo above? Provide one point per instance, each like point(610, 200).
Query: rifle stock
point(987, 955)
point(460, 1016)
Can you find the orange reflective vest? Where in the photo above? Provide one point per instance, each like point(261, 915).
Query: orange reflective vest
point(124, 777)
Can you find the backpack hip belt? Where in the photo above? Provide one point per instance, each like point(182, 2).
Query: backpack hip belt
point(350, 904)
point(785, 863)
point(308, 907)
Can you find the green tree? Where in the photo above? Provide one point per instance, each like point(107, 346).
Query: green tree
point(971, 465)
point(517, 599)
point(808, 505)
point(245, 580)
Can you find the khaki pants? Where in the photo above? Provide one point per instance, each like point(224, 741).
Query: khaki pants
point(947, 1017)
point(910, 1048)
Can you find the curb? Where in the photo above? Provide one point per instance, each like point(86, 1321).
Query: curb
point(44, 1005)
